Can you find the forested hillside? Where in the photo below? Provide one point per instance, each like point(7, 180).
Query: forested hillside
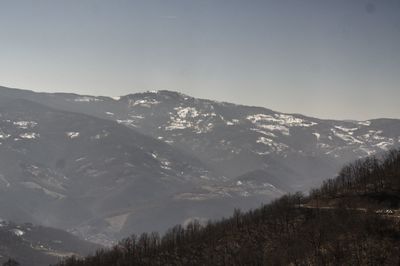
point(350, 220)
point(371, 182)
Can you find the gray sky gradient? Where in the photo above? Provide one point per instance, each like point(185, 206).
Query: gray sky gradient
point(330, 59)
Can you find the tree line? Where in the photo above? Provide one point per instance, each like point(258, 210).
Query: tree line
point(372, 178)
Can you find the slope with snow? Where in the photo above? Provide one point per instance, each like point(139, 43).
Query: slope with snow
point(165, 154)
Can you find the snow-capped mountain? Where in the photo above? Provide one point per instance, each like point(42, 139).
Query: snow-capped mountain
point(106, 167)
point(235, 139)
point(70, 170)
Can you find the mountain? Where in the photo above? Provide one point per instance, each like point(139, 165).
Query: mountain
point(39, 245)
point(342, 223)
point(104, 167)
point(77, 172)
point(235, 139)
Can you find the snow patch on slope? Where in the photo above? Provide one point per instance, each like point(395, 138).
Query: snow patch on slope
point(364, 123)
point(72, 135)
point(276, 147)
point(190, 118)
point(346, 136)
point(143, 103)
point(280, 119)
point(29, 135)
point(17, 232)
point(4, 135)
point(25, 124)
point(317, 135)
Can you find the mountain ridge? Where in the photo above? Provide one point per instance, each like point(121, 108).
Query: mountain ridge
point(234, 155)
point(117, 98)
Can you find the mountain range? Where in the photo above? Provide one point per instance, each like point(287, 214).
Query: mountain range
point(103, 168)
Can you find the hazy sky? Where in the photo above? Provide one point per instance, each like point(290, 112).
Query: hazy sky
point(336, 59)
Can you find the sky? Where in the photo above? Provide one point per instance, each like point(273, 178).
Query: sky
point(330, 59)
